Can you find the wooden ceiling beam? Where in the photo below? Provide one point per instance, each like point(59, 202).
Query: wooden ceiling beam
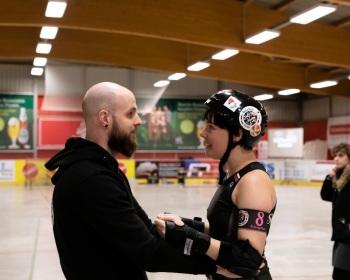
point(169, 35)
point(340, 2)
point(343, 23)
point(165, 56)
point(215, 24)
point(284, 5)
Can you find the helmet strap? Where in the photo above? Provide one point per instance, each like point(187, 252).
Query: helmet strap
point(231, 145)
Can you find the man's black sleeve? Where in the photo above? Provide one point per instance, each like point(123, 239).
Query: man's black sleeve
point(111, 210)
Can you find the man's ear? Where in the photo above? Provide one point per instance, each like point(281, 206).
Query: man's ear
point(103, 117)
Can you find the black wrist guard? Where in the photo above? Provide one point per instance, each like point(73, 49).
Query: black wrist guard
point(190, 239)
point(196, 223)
point(240, 258)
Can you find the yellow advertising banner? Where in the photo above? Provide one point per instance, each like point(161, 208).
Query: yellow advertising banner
point(30, 172)
point(128, 167)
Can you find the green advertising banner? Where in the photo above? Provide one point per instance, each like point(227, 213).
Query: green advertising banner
point(171, 125)
point(16, 122)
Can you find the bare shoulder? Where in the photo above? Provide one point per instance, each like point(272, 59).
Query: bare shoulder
point(256, 191)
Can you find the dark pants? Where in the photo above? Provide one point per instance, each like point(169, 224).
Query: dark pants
point(263, 275)
point(341, 274)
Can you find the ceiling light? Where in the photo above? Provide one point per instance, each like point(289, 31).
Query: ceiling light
point(288, 91)
point(43, 48)
point(55, 9)
point(48, 32)
point(314, 13)
point(198, 66)
point(225, 54)
point(262, 97)
point(176, 76)
point(37, 71)
point(349, 77)
point(161, 83)
point(263, 36)
point(40, 61)
point(324, 84)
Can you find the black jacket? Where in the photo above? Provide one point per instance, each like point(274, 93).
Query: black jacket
point(101, 232)
point(337, 191)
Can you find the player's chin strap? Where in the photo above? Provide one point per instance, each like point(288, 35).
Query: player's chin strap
point(231, 145)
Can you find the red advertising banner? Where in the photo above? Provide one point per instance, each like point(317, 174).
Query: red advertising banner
point(338, 130)
point(53, 132)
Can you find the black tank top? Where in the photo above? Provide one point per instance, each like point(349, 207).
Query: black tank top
point(222, 213)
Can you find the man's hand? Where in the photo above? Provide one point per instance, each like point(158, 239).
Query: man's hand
point(160, 222)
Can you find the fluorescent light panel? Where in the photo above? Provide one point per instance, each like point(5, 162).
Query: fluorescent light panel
point(225, 54)
point(263, 36)
point(176, 76)
point(43, 48)
point(37, 71)
point(324, 84)
point(40, 61)
point(288, 91)
point(313, 14)
point(262, 97)
point(198, 66)
point(161, 83)
point(48, 32)
point(55, 9)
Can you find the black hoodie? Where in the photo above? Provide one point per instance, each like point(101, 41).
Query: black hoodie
point(337, 190)
point(101, 232)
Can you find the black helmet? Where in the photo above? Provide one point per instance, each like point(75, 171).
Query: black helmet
point(240, 110)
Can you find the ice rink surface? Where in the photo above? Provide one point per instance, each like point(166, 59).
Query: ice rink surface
point(298, 246)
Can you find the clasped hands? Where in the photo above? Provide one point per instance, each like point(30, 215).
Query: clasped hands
point(160, 222)
point(161, 229)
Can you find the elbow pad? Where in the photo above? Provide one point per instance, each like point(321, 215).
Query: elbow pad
point(240, 258)
point(190, 239)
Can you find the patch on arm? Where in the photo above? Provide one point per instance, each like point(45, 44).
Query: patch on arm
point(254, 219)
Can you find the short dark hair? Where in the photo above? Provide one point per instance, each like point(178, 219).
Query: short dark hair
point(212, 116)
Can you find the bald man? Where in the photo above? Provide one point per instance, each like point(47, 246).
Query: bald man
point(111, 118)
point(101, 231)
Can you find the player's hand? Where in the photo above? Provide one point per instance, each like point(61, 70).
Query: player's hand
point(226, 273)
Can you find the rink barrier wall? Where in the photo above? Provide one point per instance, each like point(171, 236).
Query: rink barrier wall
point(30, 172)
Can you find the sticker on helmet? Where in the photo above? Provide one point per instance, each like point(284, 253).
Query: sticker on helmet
point(249, 116)
point(228, 91)
point(255, 130)
point(232, 103)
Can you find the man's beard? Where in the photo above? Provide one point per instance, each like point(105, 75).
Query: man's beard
point(121, 143)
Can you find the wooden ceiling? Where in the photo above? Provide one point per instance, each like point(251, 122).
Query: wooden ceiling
point(168, 36)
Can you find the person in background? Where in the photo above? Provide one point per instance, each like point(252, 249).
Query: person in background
point(161, 124)
point(169, 129)
point(336, 188)
point(100, 230)
point(239, 215)
point(181, 175)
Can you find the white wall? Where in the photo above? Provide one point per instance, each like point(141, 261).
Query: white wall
point(74, 80)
